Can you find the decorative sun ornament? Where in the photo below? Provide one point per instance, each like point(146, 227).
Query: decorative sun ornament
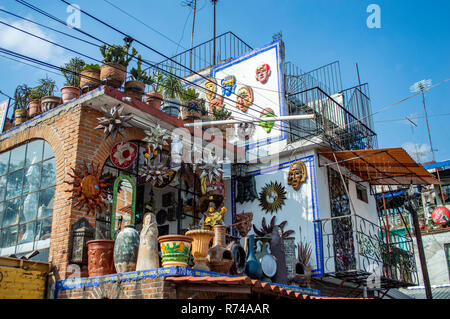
point(114, 122)
point(157, 138)
point(211, 168)
point(154, 173)
point(89, 188)
point(272, 197)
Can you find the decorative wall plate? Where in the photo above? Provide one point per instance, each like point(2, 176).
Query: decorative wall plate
point(272, 197)
point(269, 265)
point(123, 154)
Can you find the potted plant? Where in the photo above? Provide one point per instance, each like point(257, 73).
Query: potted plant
point(71, 72)
point(48, 101)
point(34, 101)
point(155, 97)
point(21, 96)
point(171, 89)
point(139, 78)
point(116, 58)
point(191, 109)
point(90, 77)
point(204, 112)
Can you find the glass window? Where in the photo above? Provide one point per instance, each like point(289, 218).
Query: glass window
point(27, 190)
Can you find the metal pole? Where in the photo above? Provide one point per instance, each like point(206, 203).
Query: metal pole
point(214, 32)
point(192, 36)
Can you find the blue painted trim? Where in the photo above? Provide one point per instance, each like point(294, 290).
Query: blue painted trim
point(247, 56)
point(69, 284)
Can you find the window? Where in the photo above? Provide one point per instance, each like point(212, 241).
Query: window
point(27, 190)
point(447, 255)
point(361, 193)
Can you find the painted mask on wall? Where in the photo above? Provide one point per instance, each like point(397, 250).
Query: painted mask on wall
point(297, 174)
point(217, 103)
point(263, 73)
point(245, 98)
point(228, 85)
point(211, 89)
point(267, 126)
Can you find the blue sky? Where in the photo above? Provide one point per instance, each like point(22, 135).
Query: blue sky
point(412, 44)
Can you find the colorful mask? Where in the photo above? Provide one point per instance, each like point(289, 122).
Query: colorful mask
point(263, 73)
point(210, 89)
point(297, 174)
point(217, 103)
point(267, 126)
point(245, 98)
point(228, 85)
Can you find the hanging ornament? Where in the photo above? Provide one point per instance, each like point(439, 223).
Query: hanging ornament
point(157, 138)
point(123, 154)
point(89, 188)
point(243, 222)
point(246, 189)
point(272, 197)
point(211, 168)
point(154, 173)
point(440, 215)
point(114, 121)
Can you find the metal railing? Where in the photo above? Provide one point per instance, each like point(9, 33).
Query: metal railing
point(338, 126)
point(354, 247)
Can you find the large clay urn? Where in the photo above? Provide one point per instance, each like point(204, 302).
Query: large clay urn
point(69, 93)
point(175, 250)
point(20, 116)
point(135, 89)
point(220, 258)
point(113, 74)
point(34, 108)
point(200, 246)
point(126, 249)
point(148, 257)
point(49, 102)
point(100, 257)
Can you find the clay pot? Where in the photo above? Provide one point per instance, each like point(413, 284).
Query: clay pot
point(34, 108)
point(69, 93)
point(113, 74)
point(175, 250)
point(153, 99)
point(20, 116)
point(220, 258)
point(126, 249)
point(49, 102)
point(200, 246)
point(171, 107)
point(191, 112)
point(89, 80)
point(100, 257)
point(135, 89)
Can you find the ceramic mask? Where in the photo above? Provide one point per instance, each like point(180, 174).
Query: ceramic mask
point(211, 89)
point(297, 174)
point(263, 73)
point(245, 98)
point(228, 85)
point(267, 126)
point(217, 103)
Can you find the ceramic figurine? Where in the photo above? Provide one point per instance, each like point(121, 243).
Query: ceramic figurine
point(126, 249)
point(148, 245)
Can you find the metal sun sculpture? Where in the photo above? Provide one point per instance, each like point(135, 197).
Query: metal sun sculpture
point(157, 138)
point(157, 173)
point(211, 168)
point(89, 188)
point(267, 229)
point(272, 197)
point(114, 121)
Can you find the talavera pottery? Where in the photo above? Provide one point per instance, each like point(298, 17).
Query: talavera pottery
point(175, 250)
point(126, 249)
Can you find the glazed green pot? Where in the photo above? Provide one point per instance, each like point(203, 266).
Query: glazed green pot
point(175, 250)
point(126, 249)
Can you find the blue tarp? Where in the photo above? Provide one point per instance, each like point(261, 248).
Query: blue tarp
point(437, 164)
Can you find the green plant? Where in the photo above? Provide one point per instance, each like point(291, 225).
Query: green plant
point(203, 109)
point(117, 54)
point(47, 86)
point(91, 67)
point(172, 86)
point(21, 97)
point(221, 114)
point(157, 80)
point(35, 93)
point(188, 94)
point(72, 70)
point(138, 74)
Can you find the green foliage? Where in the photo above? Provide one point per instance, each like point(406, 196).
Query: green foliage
point(117, 54)
point(171, 86)
point(21, 97)
point(72, 70)
point(91, 67)
point(221, 114)
point(203, 109)
point(157, 80)
point(47, 86)
point(188, 94)
point(138, 74)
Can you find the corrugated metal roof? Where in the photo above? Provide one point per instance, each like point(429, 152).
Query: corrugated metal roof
point(442, 292)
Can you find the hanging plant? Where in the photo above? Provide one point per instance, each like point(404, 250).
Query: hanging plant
point(272, 197)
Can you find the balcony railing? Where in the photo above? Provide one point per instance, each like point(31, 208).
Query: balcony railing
point(338, 126)
point(358, 250)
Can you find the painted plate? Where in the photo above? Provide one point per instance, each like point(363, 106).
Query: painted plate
point(269, 265)
point(123, 154)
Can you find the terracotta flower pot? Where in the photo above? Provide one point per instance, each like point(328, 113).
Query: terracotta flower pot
point(69, 93)
point(100, 257)
point(153, 99)
point(220, 259)
point(135, 89)
point(89, 80)
point(34, 108)
point(20, 116)
point(113, 74)
point(200, 246)
point(175, 250)
point(49, 102)
point(191, 112)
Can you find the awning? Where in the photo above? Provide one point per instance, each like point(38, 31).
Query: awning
point(387, 166)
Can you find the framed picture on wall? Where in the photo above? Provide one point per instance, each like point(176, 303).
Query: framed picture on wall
point(167, 199)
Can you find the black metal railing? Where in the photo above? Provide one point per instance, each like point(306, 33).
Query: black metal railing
point(339, 127)
point(356, 248)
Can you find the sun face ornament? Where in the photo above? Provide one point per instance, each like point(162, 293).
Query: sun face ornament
point(272, 197)
point(89, 188)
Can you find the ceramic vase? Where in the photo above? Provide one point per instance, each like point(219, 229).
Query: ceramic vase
point(253, 267)
point(20, 116)
point(171, 107)
point(200, 246)
point(175, 250)
point(148, 257)
point(100, 257)
point(34, 107)
point(126, 249)
point(264, 248)
point(239, 258)
point(220, 258)
point(135, 89)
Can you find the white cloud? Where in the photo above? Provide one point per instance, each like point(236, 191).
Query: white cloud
point(419, 152)
point(28, 45)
